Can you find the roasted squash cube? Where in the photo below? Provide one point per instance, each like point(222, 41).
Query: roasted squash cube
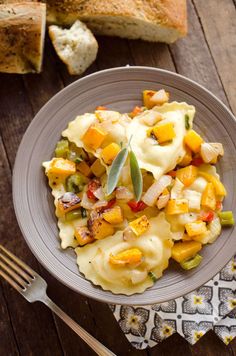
point(209, 197)
point(187, 159)
point(187, 175)
point(84, 168)
point(140, 225)
point(114, 215)
point(196, 228)
point(193, 140)
point(67, 202)
point(147, 94)
point(97, 168)
point(110, 152)
point(94, 137)
point(177, 206)
point(83, 236)
point(219, 187)
point(131, 256)
point(61, 167)
point(164, 132)
point(184, 250)
point(100, 228)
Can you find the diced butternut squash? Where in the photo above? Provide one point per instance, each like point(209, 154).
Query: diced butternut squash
point(140, 225)
point(187, 159)
point(193, 140)
point(164, 132)
point(130, 257)
point(187, 175)
point(219, 187)
point(147, 181)
point(147, 94)
point(94, 137)
point(84, 168)
point(209, 197)
point(67, 202)
point(110, 152)
point(185, 237)
point(61, 167)
point(100, 228)
point(97, 168)
point(184, 250)
point(113, 215)
point(203, 238)
point(177, 206)
point(83, 236)
point(196, 228)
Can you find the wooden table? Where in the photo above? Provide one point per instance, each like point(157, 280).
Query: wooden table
point(207, 55)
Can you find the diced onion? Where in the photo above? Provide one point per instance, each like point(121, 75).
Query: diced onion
point(198, 185)
point(128, 234)
point(99, 193)
point(156, 189)
point(138, 276)
point(210, 151)
point(176, 190)
point(162, 201)
point(215, 229)
point(100, 204)
point(151, 117)
point(107, 115)
point(124, 193)
point(194, 199)
point(160, 97)
point(186, 218)
point(177, 235)
point(86, 203)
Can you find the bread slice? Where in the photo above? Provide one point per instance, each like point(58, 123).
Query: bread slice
point(76, 47)
point(151, 20)
point(22, 31)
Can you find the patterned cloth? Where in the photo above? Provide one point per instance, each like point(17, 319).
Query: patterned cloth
point(212, 306)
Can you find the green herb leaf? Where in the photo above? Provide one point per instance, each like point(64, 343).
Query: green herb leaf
point(152, 276)
point(187, 124)
point(136, 176)
point(115, 170)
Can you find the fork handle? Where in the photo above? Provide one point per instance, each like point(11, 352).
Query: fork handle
point(99, 348)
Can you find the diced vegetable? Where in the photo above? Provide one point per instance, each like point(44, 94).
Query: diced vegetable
point(172, 173)
point(61, 167)
point(193, 140)
point(72, 215)
point(184, 250)
point(147, 94)
point(187, 123)
point(209, 197)
point(163, 199)
point(202, 238)
point(187, 159)
point(92, 187)
point(83, 213)
point(164, 132)
point(191, 263)
point(226, 218)
point(97, 168)
point(83, 236)
point(177, 189)
point(84, 168)
point(194, 199)
point(147, 181)
point(214, 229)
point(123, 193)
point(140, 225)
point(130, 257)
point(110, 152)
point(160, 97)
point(113, 215)
point(75, 183)
point(94, 137)
point(98, 227)
point(100, 107)
point(151, 118)
point(187, 175)
point(177, 206)
point(207, 216)
point(197, 161)
point(152, 276)
point(156, 189)
point(196, 228)
point(219, 187)
point(62, 149)
point(211, 151)
point(67, 202)
point(219, 205)
point(136, 206)
point(136, 110)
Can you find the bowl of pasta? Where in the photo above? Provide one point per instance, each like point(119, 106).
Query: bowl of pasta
point(124, 185)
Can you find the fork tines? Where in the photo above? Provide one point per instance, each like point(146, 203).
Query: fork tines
point(14, 271)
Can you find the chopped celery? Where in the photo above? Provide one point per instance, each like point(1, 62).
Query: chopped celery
point(75, 183)
point(152, 276)
point(83, 213)
point(62, 149)
point(226, 218)
point(72, 215)
point(191, 263)
point(187, 124)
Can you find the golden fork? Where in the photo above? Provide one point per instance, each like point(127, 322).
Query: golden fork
point(33, 287)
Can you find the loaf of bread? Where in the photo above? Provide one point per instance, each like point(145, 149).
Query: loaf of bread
point(22, 30)
point(151, 20)
point(77, 47)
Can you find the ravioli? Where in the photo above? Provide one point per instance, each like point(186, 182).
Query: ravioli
point(155, 244)
point(155, 158)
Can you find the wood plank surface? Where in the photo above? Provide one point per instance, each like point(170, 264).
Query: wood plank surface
point(206, 55)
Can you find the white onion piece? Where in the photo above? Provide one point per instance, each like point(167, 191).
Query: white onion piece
point(107, 115)
point(100, 204)
point(187, 218)
point(160, 97)
point(86, 202)
point(138, 276)
point(156, 189)
point(210, 151)
point(177, 235)
point(151, 118)
point(215, 229)
point(124, 193)
point(194, 199)
point(198, 185)
point(163, 200)
point(99, 193)
point(176, 190)
point(128, 234)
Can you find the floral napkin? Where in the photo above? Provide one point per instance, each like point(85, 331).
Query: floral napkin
point(212, 306)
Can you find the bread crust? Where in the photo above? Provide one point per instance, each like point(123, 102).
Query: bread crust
point(22, 29)
point(167, 13)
